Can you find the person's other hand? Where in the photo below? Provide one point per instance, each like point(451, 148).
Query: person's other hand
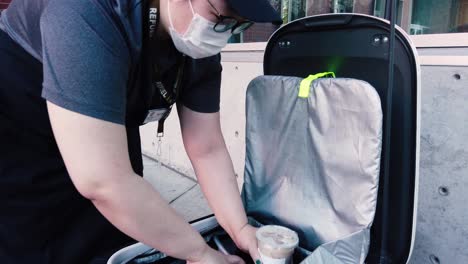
point(246, 241)
point(212, 256)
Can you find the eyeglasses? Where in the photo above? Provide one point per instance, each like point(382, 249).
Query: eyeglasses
point(226, 23)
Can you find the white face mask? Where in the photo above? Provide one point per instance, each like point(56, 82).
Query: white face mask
point(200, 40)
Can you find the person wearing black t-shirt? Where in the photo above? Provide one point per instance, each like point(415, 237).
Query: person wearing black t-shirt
point(77, 79)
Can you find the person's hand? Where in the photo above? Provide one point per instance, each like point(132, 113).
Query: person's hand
point(246, 241)
point(211, 256)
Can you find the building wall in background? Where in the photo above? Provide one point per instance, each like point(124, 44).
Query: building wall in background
point(259, 33)
point(416, 17)
point(295, 9)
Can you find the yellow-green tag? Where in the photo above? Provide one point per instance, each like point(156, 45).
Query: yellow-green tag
point(304, 88)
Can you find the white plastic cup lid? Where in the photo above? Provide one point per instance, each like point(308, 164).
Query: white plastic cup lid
point(276, 237)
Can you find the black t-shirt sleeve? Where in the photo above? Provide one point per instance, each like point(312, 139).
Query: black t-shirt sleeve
point(85, 60)
point(202, 90)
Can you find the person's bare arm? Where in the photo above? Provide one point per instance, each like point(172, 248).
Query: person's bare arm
point(205, 146)
point(96, 156)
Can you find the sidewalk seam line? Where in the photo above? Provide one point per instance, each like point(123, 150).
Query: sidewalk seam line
point(182, 194)
point(170, 168)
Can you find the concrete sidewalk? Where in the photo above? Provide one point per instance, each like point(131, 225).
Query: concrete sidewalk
point(182, 192)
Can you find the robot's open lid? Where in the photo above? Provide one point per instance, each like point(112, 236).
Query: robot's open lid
point(356, 46)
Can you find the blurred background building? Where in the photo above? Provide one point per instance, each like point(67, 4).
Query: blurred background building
point(416, 17)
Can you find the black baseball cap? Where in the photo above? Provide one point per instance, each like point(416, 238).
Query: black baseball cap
point(259, 11)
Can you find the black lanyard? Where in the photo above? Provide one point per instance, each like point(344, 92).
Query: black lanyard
point(170, 96)
point(157, 86)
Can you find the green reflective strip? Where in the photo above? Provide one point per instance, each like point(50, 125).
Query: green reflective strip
point(304, 88)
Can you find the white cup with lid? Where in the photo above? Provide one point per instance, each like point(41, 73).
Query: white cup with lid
point(276, 244)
